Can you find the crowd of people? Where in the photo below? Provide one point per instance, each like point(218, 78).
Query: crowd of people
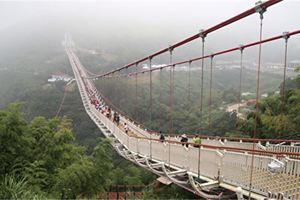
point(99, 104)
point(184, 140)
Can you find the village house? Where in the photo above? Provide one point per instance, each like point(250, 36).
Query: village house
point(59, 77)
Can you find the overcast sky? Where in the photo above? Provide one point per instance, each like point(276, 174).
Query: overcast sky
point(162, 22)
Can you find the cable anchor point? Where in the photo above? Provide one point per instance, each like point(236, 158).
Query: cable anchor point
point(171, 49)
point(260, 9)
point(202, 34)
point(242, 48)
point(285, 36)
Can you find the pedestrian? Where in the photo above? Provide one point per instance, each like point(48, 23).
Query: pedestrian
point(162, 137)
point(184, 139)
point(109, 113)
point(126, 128)
point(197, 141)
point(118, 119)
point(115, 117)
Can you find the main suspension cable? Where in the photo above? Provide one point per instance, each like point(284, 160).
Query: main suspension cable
point(214, 28)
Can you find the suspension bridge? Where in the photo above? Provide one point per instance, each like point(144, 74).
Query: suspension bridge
point(250, 168)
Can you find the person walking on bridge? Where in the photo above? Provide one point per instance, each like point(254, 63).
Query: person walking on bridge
point(161, 137)
point(184, 139)
point(197, 141)
point(126, 128)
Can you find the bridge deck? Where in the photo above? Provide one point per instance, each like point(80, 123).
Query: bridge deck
point(227, 163)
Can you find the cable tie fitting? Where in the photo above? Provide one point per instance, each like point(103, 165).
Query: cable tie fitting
point(259, 9)
point(242, 48)
point(170, 49)
point(286, 36)
point(190, 61)
point(212, 56)
point(202, 34)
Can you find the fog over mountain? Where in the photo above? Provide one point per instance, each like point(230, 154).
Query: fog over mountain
point(142, 27)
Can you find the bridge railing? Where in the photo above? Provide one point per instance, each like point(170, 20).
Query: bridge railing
point(233, 167)
point(228, 164)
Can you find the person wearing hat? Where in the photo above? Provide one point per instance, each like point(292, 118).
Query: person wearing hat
point(184, 139)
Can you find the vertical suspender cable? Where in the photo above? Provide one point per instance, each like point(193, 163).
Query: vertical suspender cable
point(189, 82)
point(201, 99)
point(150, 104)
point(136, 91)
point(104, 80)
point(127, 89)
point(241, 73)
point(160, 96)
point(261, 11)
point(173, 97)
point(171, 101)
point(282, 107)
point(210, 89)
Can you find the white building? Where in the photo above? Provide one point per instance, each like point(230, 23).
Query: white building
point(59, 77)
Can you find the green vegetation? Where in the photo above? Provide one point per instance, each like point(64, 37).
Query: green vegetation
point(40, 159)
point(66, 157)
point(277, 119)
point(272, 122)
point(47, 157)
point(168, 192)
point(186, 109)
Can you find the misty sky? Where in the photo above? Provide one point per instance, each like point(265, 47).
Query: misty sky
point(146, 25)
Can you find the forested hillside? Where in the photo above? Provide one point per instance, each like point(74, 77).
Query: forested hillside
point(277, 118)
point(39, 159)
point(186, 109)
point(64, 157)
